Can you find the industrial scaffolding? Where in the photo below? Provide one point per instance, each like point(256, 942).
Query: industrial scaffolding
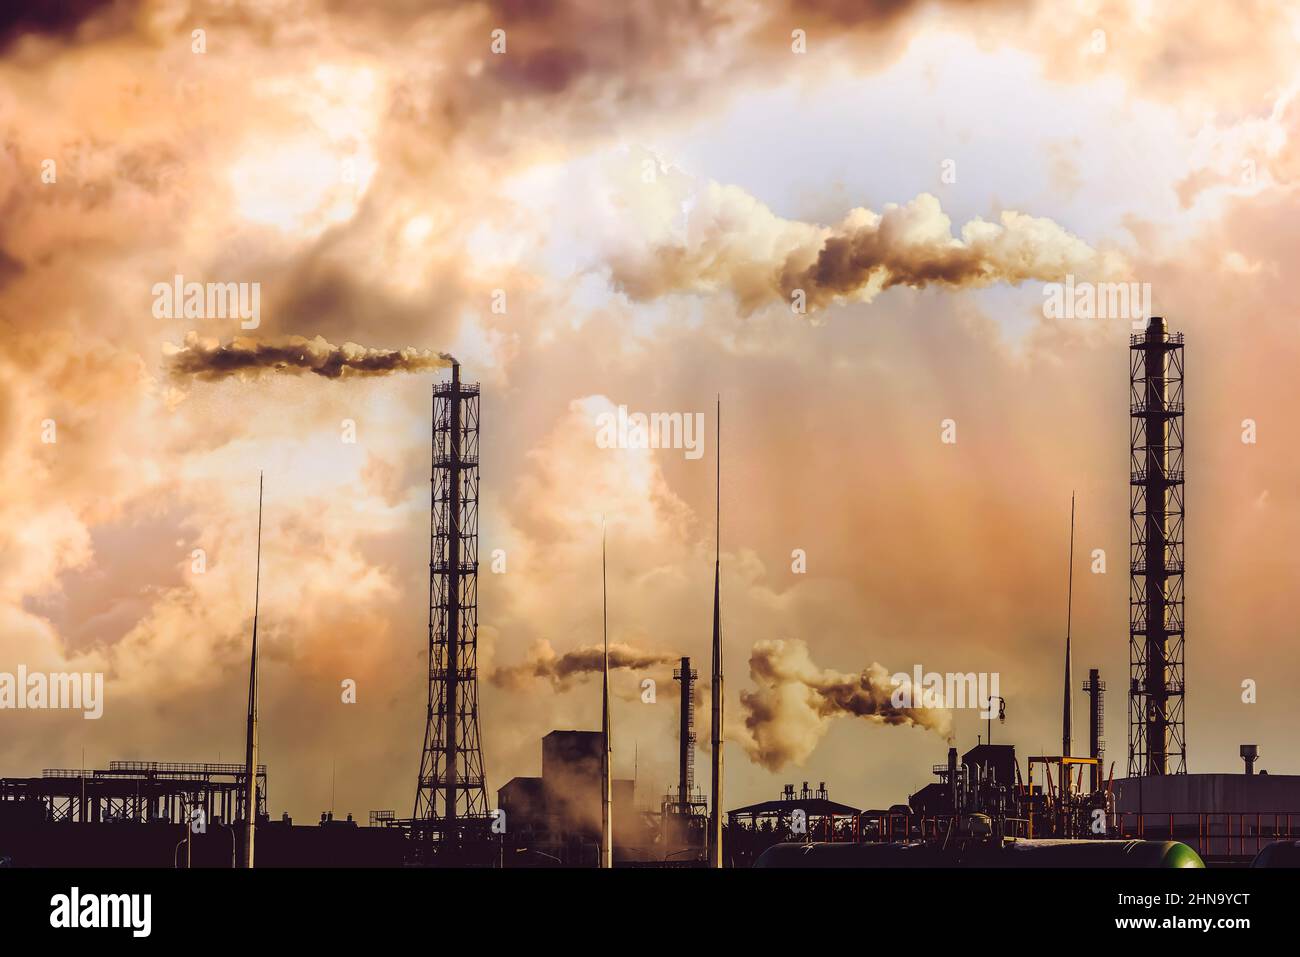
point(1157, 734)
point(452, 796)
point(140, 791)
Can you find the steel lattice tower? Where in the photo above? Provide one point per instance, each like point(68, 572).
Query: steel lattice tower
point(1157, 742)
point(451, 785)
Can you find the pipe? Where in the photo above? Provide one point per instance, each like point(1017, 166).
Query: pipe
point(952, 780)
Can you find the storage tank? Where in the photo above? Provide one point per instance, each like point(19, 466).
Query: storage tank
point(1019, 853)
point(1278, 854)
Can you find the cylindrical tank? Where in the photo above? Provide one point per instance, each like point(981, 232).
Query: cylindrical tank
point(1039, 853)
point(851, 855)
point(1278, 854)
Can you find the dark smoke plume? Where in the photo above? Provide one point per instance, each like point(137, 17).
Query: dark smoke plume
point(543, 662)
point(209, 360)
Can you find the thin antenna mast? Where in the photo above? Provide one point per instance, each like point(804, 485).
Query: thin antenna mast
point(606, 811)
point(1067, 714)
point(715, 823)
point(250, 757)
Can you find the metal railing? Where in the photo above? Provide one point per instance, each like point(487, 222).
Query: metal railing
point(151, 767)
point(1212, 833)
point(1141, 339)
point(1170, 476)
point(888, 827)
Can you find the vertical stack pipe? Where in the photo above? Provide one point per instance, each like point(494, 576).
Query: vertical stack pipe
point(684, 739)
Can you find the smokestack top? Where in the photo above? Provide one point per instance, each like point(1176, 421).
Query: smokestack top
point(1156, 327)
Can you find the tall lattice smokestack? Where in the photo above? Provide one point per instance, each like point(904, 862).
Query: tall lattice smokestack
point(1157, 733)
point(452, 794)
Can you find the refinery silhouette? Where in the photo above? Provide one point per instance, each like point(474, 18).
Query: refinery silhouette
point(1062, 810)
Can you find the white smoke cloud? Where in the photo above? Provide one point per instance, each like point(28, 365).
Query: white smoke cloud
point(705, 238)
point(795, 702)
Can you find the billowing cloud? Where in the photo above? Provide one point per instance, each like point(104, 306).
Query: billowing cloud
point(364, 163)
point(716, 238)
point(795, 701)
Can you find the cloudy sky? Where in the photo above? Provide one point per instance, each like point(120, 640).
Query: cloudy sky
point(618, 204)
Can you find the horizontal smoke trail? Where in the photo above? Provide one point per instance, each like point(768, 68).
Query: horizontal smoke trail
point(208, 359)
point(543, 662)
point(727, 240)
point(792, 708)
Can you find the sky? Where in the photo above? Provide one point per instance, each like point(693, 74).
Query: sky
point(839, 217)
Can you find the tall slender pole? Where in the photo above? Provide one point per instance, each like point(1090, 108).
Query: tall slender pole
point(606, 785)
point(250, 756)
point(1067, 714)
point(715, 825)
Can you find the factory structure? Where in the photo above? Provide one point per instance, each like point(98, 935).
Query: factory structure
point(987, 806)
point(451, 807)
point(1157, 736)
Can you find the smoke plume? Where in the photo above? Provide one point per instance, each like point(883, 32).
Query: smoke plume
point(208, 359)
point(794, 703)
point(727, 240)
point(543, 662)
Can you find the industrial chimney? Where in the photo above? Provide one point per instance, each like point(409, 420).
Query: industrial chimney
point(1157, 732)
point(1096, 689)
point(952, 779)
point(686, 737)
